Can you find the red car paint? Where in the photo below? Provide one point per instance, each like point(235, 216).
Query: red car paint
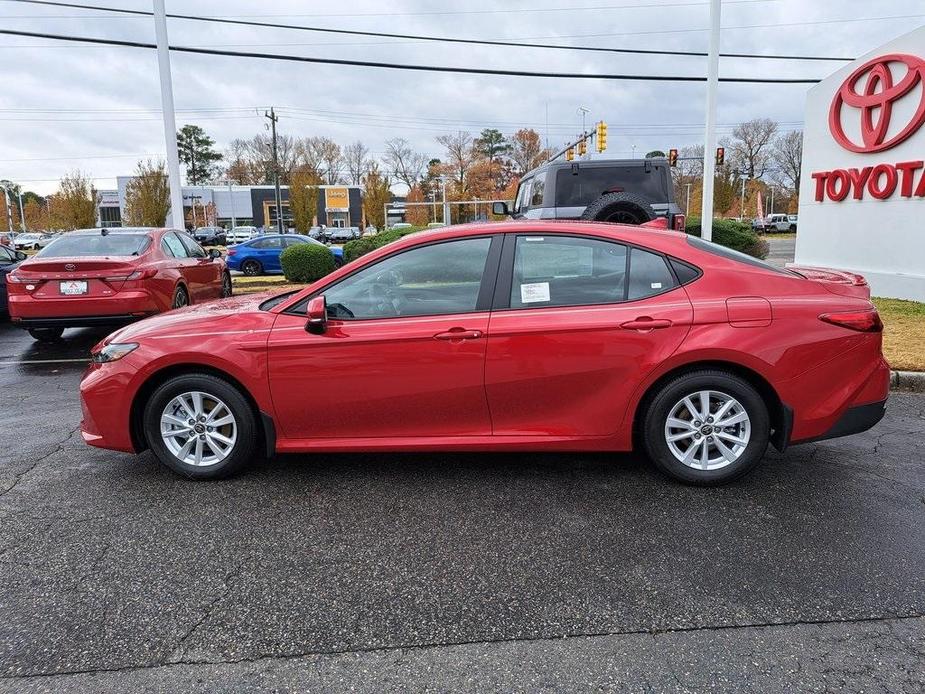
point(546, 378)
point(119, 288)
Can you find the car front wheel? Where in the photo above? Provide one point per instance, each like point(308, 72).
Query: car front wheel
point(200, 426)
point(251, 268)
point(706, 427)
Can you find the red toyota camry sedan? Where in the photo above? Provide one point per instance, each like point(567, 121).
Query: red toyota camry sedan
point(111, 276)
point(529, 336)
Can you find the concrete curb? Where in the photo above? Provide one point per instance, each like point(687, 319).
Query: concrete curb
point(908, 380)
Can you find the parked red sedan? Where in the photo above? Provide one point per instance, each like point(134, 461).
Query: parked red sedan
point(111, 276)
point(516, 336)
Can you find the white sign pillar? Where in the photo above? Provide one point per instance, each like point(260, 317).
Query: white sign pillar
point(170, 124)
point(709, 141)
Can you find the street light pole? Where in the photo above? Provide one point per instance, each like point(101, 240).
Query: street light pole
point(446, 206)
point(9, 212)
point(687, 211)
point(744, 178)
point(22, 214)
point(279, 198)
point(709, 139)
point(170, 123)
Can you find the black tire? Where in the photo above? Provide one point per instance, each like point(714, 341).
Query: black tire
point(793, 228)
point(241, 453)
point(661, 404)
point(46, 334)
point(252, 268)
point(180, 298)
point(227, 287)
point(620, 208)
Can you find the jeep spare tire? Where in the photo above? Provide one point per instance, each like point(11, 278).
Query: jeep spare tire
point(620, 208)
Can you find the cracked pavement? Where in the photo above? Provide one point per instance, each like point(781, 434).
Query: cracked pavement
point(437, 572)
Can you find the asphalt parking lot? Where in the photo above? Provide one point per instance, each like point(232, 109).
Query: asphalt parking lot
point(450, 572)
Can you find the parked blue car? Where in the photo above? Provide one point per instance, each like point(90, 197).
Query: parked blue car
point(260, 255)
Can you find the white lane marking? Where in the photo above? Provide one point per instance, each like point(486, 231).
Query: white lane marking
point(45, 361)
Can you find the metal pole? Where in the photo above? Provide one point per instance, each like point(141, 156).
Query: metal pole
point(22, 214)
point(687, 211)
point(385, 216)
point(446, 206)
point(709, 140)
point(279, 197)
point(742, 204)
point(772, 201)
point(170, 123)
point(9, 212)
point(234, 222)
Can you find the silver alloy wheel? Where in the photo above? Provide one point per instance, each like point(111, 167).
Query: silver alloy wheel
point(198, 428)
point(180, 299)
point(708, 430)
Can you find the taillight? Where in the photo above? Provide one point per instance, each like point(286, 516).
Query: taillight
point(867, 321)
point(230, 251)
point(680, 222)
point(137, 275)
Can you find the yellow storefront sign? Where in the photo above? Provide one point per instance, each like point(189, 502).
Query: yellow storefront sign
point(336, 199)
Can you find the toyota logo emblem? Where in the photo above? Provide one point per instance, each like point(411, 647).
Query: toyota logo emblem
point(875, 102)
point(70, 267)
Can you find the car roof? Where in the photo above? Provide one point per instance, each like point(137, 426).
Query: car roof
point(119, 231)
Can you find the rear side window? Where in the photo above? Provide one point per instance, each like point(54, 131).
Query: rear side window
point(266, 244)
point(567, 271)
point(193, 249)
point(649, 274)
point(294, 241)
point(83, 245)
point(591, 182)
point(173, 246)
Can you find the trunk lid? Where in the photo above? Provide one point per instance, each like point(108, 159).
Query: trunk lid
point(103, 276)
point(839, 282)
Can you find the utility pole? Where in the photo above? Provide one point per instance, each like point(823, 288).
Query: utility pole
point(709, 139)
point(271, 114)
point(687, 211)
point(771, 209)
point(9, 212)
point(744, 178)
point(22, 214)
point(170, 123)
point(446, 205)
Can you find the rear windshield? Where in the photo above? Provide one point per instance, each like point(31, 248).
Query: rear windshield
point(79, 245)
point(593, 181)
point(729, 254)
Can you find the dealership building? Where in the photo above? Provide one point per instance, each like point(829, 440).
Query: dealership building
point(862, 186)
point(229, 205)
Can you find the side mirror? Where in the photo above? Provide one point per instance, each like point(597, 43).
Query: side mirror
point(214, 253)
point(317, 315)
point(20, 255)
point(500, 209)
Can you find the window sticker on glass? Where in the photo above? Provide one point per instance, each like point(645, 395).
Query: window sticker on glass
point(656, 285)
point(534, 293)
point(533, 238)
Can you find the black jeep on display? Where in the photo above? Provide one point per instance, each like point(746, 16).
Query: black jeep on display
point(623, 191)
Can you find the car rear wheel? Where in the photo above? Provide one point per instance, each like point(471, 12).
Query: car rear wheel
point(180, 298)
point(200, 426)
point(706, 427)
point(46, 334)
point(251, 268)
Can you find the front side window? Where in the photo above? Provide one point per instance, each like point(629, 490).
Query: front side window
point(567, 271)
point(443, 278)
point(523, 195)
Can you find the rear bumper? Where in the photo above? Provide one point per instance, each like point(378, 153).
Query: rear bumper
point(124, 306)
point(854, 421)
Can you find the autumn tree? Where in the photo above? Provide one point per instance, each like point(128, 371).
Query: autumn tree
point(356, 160)
point(407, 165)
point(303, 199)
point(417, 214)
point(459, 154)
point(250, 162)
point(197, 153)
point(376, 194)
point(74, 205)
point(527, 151)
point(147, 195)
point(492, 145)
point(35, 215)
point(749, 150)
point(788, 155)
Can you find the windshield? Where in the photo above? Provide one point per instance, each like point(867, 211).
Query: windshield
point(277, 300)
point(81, 245)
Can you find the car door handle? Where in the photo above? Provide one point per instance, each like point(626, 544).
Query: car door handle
point(645, 323)
point(459, 334)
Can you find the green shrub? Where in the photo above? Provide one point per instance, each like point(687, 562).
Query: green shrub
point(733, 234)
point(306, 262)
point(354, 249)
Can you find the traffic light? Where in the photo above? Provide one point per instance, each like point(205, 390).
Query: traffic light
point(672, 157)
point(582, 148)
point(720, 155)
point(601, 136)
point(569, 154)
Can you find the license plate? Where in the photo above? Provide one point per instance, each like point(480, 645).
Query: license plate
point(72, 287)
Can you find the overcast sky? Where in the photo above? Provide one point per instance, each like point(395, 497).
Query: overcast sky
point(65, 106)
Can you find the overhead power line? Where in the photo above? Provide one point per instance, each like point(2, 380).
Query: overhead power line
point(441, 39)
point(412, 67)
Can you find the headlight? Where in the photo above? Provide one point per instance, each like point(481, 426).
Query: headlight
point(114, 351)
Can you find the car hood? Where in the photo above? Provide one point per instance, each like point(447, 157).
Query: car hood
point(234, 315)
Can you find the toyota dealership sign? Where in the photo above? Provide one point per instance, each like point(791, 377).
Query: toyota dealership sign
point(863, 178)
